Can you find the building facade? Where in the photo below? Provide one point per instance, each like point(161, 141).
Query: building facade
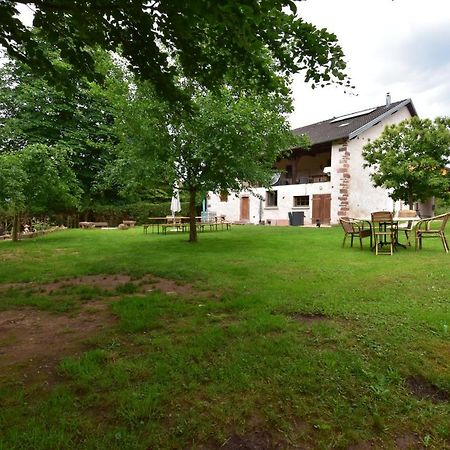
point(325, 183)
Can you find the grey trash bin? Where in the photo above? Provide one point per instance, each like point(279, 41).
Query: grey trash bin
point(298, 218)
point(290, 218)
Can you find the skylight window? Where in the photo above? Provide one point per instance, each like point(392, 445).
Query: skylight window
point(351, 116)
point(343, 124)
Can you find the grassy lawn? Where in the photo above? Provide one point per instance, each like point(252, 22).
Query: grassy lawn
point(255, 338)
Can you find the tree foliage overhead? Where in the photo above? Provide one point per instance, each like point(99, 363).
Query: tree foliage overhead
point(412, 159)
point(203, 40)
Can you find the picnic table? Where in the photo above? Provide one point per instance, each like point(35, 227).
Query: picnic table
point(182, 224)
point(154, 222)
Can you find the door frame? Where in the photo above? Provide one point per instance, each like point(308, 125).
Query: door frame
point(244, 204)
point(324, 213)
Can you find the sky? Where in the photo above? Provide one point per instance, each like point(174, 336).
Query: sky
point(396, 46)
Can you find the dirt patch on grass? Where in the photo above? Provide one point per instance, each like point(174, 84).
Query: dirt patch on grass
point(254, 440)
point(110, 283)
point(408, 441)
point(172, 287)
point(365, 445)
point(309, 318)
point(258, 439)
point(262, 436)
point(424, 390)
point(32, 342)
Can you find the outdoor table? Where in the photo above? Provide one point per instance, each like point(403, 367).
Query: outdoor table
point(182, 223)
point(175, 223)
point(397, 220)
point(154, 221)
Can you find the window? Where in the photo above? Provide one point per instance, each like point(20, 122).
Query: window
point(301, 200)
point(224, 196)
point(271, 198)
point(352, 115)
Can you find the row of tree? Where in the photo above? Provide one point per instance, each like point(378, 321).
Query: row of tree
point(120, 140)
point(198, 95)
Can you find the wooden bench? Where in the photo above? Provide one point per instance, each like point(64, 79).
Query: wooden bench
point(152, 227)
point(177, 226)
point(93, 224)
point(129, 223)
point(183, 226)
point(214, 225)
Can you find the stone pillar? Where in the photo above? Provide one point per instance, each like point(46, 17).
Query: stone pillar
point(344, 181)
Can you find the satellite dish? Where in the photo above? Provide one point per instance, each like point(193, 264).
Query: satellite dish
point(275, 178)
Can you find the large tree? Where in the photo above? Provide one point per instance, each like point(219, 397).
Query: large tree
point(231, 142)
point(411, 159)
point(32, 111)
point(37, 180)
point(161, 41)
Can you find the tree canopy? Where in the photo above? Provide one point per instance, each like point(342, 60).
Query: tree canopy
point(412, 159)
point(231, 142)
point(35, 112)
point(36, 180)
point(206, 41)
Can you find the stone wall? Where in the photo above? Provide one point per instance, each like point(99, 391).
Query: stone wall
point(344, 182)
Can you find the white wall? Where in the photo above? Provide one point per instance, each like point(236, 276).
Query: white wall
point(276, 215)
point(364, 197)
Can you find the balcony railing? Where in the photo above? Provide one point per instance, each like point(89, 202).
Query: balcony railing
point(303, 179)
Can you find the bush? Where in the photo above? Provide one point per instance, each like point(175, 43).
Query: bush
point(442, 206)
point(35, 223)
point(113, 214)
point(140, 212)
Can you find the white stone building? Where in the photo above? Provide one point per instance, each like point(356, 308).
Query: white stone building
point(325, 183)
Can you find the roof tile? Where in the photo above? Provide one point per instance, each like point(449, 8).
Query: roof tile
point(334, 129)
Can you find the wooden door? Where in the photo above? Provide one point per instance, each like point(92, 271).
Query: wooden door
point(321, 209)
point(245, 208)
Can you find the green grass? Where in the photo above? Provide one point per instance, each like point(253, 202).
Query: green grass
point(242, 353)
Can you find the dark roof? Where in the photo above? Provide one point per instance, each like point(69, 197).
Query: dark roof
point(351, 125)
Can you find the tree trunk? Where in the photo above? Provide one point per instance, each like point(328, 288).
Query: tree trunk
point(15, 230)
point(410, 200)
point(192, 220)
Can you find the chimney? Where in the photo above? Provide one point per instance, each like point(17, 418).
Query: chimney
point(388, 99)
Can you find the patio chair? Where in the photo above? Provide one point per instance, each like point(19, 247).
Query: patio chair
point(407, 227)
point(432, 227)
point(354, 228)
point(384, 232)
